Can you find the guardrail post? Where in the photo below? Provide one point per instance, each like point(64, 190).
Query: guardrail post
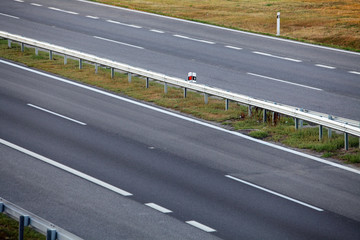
point(226, 104)
point(273, 118)
point(51, 55)
point(329, 129)
point(185, 92)
point(2, 207)
point(206, 98)
point(65, 59)
point(96, 68)
point(80, 63)
point(21, 227)
point(22, 47)
point(36, 51)
point(23, 222)
point(296, 123)
point(250, 111)
point(129, 77)
point(9, 43)
point(346, 141)
point(165, 88)
point(112, 72)
point(50, 234)
point(264, 116)
point(147, 82)
point(320, 132)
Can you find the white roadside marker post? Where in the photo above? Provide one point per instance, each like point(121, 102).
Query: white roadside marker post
point(278, 24)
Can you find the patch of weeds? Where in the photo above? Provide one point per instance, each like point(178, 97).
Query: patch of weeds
point(351, 158)
point(259, 134)
point(328, 155)
point(248, 123)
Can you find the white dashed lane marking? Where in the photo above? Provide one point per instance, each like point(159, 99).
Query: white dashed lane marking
point(274, 193)
point(67, 169)
point(36, 4)
point(274, 56)
point(325, 66)
point(201, 226)
point(61, 10)
point(56, 114)
point(283, 81)
point(156, 31)
point(92, 17)
point(193, 39)
point(232, 47)
point(10, 16)
point(123, 24)
point(353, 72)
point(158, 208)
point(121, 43)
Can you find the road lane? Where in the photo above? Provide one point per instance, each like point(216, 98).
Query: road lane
point(177, 164)
point(83, 208)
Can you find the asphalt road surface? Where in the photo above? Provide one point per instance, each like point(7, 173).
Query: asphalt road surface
point(297, 74)
point(207, 181)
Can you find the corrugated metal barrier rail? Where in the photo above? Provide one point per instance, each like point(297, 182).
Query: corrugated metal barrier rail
point(25, 218)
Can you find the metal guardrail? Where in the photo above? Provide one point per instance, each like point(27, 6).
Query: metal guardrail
point(26, 218)
point(332, 122)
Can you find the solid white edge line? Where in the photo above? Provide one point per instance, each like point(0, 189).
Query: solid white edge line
point(56, 114)
point(283, 81)
point(325, 66)
point(343, 167)
point(61, 10)
point(353, 72)
point(222, 28)
point(200, 226)
point(275, 193)
point(66, 168)
point(36, 4)
point(274, 56)
point(122, 43)
point(158, 208)
point(7, 15)
point(232, 47)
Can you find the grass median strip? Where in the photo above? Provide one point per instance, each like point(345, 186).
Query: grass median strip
point(281, 131)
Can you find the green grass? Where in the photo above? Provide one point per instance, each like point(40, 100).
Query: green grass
point(236, 118)
point(9, 230)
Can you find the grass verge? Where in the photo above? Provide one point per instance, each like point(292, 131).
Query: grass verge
point(9, 230)
point(327, 22)
point(235, 118)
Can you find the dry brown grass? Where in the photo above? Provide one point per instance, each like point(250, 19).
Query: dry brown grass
point(331, 22)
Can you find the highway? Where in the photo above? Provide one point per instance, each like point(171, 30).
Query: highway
point(200, 175)
point(302, 75)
